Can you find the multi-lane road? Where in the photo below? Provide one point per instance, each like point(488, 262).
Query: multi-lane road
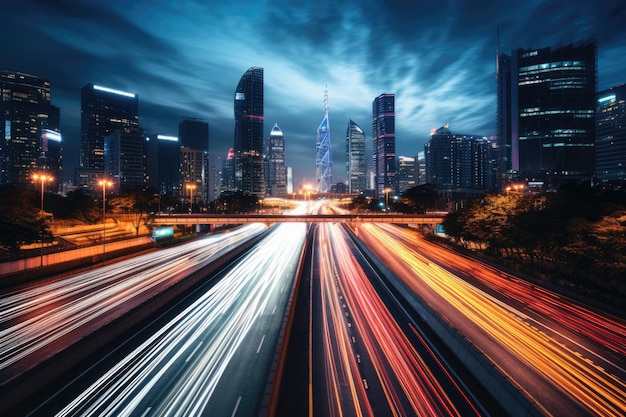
point(566, 356)
point(216, 353)
point(369, 362)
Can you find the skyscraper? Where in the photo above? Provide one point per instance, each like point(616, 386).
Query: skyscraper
point(384, 143)
point(29, 126)
point(228, 171)
point(249, 136)
point(163, 161)
point(125, 159)
point(277, 171)
point(611, 134)
point(324, 153)
point(103, 111)
point(194, 135)
point(356, 167)
point(407, 177)
point(547, 117)
point(457, 164)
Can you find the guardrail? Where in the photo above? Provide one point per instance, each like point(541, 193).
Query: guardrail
point(191, 219)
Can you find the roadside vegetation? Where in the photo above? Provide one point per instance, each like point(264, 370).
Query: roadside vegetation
point(575, 237)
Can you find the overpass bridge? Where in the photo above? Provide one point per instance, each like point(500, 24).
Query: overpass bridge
point(215, 219)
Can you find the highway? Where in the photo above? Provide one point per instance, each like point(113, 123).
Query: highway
point(214, 357)
point(364, 362)
point(567, 357)
point(42, 319)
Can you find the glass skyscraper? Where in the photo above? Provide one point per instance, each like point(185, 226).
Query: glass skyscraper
point(30, 140)
point(249, 136)
point(546, 113)
point(384, 143)
point(103, 111)
point(324, 153)
point(611, 134)
point(356, 167)
point(277, 171)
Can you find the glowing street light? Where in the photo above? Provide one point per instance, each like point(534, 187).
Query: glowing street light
point(387, 190)
point(190, 188)
point(42, 178)
point(104, 184)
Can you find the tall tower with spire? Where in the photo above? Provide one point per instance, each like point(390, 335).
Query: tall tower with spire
point(324, 153)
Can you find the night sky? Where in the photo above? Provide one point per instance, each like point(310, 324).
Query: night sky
point(184, 59)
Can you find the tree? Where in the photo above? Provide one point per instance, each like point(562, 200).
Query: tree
point(135, 205)
point(20, 219)
point(421, 198)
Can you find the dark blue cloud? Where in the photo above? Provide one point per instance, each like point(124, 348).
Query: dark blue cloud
point(185, 58)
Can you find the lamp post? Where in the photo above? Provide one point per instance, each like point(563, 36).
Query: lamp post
point(190, 188)
point(42, 178)
point(104, 184)
point(387, 191)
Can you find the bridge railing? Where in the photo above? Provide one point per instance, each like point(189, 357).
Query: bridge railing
point(188, 219)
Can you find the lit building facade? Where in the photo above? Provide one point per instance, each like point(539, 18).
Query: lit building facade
point(611, 135)
point(249, 133)
point(31, 139)
point(420, 163)
point(546, 113)
point(407, 177)
point(324, 153)
point(457, 164)
point(104, 110)
point(356, 165)
point(194, 134)
point(125, 160)
point(384, 143)
point(277, 170)
point(228, 171)
point(193, 166)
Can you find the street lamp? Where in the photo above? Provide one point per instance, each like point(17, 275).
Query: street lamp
point(191, 188)
point(42, 178)
point(104, 184)
point(387, 191)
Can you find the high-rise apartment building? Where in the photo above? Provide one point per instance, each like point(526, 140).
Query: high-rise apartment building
point(384, 143)
point(356, 165)
point(324, 153)
point(249, 135)
point(611, 134)
point(193, 166)
point(31, 139)
point(194, 134)
point(457, 164)
point(546, 113)
point(103, 111)
point(277, 170)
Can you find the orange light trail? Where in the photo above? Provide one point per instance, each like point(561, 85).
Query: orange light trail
point(590, 384)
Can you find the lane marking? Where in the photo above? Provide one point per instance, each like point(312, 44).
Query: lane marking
point(260, 344)
point(145, 413)
point(236, 407)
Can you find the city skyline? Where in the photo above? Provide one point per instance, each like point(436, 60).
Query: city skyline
point(184, 60)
